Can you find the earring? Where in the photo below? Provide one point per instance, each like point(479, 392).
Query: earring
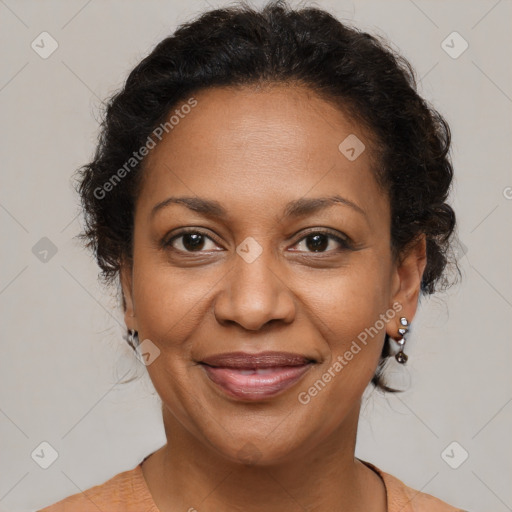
point(133, 338)
point(400, 356)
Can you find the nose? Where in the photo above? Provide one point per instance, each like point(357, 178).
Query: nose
point(254, 294)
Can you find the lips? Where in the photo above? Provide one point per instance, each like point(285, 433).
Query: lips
point(255, 376)
point(245, 360)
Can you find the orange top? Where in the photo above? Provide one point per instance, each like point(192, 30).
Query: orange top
point(128, 492)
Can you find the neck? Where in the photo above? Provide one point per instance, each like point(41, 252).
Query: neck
point(187, 474)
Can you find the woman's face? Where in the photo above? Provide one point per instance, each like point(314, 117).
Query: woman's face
point(268, 268)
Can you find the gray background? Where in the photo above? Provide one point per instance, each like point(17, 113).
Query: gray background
point(62, 355)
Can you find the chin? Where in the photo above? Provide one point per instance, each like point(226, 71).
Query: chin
point(259, 451)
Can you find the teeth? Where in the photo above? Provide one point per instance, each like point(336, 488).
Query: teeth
point(263, 371)
point(257, 371)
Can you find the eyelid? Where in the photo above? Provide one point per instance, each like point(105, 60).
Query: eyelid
point(343, 240)
point(167, 241)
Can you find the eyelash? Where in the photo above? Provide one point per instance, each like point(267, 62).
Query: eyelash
point(344, 243)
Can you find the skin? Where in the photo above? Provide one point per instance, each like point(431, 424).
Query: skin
point(254, 150)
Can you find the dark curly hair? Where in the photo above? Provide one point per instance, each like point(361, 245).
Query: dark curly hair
point(240, 46)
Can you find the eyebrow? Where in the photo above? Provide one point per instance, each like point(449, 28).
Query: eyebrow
point(296, 208)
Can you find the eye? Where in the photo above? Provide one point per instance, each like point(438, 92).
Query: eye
point(193, 240)
point(319, 241)
point(190, 240)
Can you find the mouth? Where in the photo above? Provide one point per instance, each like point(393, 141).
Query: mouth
point(253, 377)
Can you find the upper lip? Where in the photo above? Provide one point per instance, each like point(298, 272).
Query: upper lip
point(259, 360)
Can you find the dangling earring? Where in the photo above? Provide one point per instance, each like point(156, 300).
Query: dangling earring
point(133, 338)
point(400, 356)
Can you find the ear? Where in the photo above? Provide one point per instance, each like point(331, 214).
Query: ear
point(407, 282)
point(125, 273)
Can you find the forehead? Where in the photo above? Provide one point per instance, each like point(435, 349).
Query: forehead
point(261, 148)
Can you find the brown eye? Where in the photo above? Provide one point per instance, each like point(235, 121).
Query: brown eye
point(193, 241)
point(190, 241)
point(317, 242)
point(320, 241)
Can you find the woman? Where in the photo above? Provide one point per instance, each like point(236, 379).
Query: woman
point(271, 191)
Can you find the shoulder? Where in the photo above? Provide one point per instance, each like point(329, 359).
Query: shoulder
point(402, 498)
point(124, 492)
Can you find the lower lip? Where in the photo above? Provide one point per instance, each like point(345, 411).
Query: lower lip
point(238, 384)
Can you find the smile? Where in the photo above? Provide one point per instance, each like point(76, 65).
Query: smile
point(255, 376)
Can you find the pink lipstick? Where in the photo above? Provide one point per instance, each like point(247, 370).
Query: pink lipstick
point(255, 376)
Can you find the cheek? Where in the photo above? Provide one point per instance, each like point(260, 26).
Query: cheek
point(169, 302)
point(348, 300)
point(348, 312)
